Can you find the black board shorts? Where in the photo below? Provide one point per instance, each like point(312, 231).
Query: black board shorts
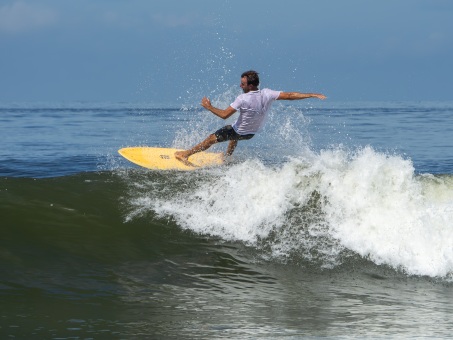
point(228, 133)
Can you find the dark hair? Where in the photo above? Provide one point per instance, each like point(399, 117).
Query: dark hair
point(252, 77)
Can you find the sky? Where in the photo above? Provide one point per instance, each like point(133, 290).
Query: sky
point(177, 51)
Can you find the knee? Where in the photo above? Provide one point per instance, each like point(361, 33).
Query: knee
point(212, 138)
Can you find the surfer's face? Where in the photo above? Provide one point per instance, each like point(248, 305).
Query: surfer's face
point(244, 85)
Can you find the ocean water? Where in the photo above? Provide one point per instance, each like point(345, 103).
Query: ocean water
point(336, 221)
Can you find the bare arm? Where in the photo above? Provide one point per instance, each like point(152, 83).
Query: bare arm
point(224, 114)
point(298, 96)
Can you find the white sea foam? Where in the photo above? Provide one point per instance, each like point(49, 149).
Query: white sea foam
point(380, 210)
point(368, 203)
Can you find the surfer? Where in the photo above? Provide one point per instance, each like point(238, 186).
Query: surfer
point(252, 105)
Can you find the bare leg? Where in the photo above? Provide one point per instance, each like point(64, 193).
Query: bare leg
point(183, 156)
point(231, 146)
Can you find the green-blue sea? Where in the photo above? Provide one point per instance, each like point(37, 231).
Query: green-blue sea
point(336, 221)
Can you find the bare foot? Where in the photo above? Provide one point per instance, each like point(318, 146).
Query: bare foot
point(183, 158)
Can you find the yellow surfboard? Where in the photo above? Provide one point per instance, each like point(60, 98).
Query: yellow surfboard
point(164, 158)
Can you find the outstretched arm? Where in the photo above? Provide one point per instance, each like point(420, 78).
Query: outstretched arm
point(224, 114)
point(298, 96)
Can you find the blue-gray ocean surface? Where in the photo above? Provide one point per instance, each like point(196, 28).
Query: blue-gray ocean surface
point(335, 221)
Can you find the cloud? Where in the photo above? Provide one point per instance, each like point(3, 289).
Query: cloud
point(21, 17)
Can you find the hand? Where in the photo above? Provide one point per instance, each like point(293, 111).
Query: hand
point(320, 96)
point(206, 103)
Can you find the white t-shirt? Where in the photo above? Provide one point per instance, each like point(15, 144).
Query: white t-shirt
point(252, 107)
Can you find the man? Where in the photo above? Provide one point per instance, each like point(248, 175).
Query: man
point(252, 105)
